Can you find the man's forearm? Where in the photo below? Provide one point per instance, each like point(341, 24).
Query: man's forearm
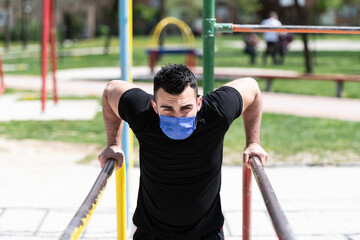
point(113, 124)
point(252, 120)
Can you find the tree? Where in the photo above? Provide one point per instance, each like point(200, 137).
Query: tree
point(7, 25)
point(308, 15)
point(303, 19)
point(247, 11)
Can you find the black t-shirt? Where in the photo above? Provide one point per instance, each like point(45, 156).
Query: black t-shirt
point(180, 179)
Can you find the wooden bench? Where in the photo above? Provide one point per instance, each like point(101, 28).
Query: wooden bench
point(270, 75)
point(154, 54)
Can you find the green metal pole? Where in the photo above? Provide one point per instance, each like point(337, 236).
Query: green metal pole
point(208, 33)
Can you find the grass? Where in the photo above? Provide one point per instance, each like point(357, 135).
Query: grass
point(286, 138)
point(227, 55)
point(312, 140)
point(67, 131)
point(300, 139)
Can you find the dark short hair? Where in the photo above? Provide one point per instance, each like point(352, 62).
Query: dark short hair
point(174, 78)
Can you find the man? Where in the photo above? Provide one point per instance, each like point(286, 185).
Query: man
point(271, 38)
point(181, 141)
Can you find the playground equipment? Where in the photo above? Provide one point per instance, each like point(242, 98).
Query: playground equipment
point(210, 26)
point(125, 35)
point(155, 51)
point(49, 29)
point(2, 83)
point(79, 221)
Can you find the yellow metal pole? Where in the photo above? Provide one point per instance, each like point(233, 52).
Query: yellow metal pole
point(121, 213)
point(131, 139)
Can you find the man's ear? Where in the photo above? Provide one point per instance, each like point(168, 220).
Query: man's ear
point(199, 103)
point(153, 103)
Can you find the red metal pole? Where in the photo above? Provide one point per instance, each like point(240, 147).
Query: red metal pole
point(45, 41)
point(247, 178)
point(2, 84)
point(53, 49)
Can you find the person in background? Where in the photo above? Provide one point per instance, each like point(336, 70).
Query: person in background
point(271, 38)
point(251, 40)
point(284, 40)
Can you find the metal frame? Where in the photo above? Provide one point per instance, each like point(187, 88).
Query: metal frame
point(2, 82)
point(210, 27)
point(48, 29)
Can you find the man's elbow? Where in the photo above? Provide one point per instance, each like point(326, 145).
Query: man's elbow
point(246, 86)
point(253, 85)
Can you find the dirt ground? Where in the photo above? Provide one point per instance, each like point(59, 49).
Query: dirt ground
point(42, 151)
point(51, 153)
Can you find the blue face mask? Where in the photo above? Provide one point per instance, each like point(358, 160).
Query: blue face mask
point(177, 128)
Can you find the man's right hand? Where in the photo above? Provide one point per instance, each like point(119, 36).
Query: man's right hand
point(114, 152)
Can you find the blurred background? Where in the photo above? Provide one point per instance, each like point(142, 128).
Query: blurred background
point(304, 122)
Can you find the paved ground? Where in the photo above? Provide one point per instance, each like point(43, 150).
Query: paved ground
point(319, 202)
point(39, 195)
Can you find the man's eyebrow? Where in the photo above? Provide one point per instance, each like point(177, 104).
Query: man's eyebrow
point(165, 106)
point(187, 105)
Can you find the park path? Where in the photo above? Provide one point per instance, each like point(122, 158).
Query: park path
point(92, 81)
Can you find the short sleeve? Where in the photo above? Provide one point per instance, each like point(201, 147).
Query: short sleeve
point(227, 101)
point(134, 105)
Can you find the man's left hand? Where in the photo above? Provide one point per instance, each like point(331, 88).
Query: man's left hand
point(254, 149)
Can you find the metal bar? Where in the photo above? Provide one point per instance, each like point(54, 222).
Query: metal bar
point(45, 41)
point(121, 214)
point(287, 28)
point(278, 218)
point(247, 194)
point(53, 49)
point(2, 82)
point(208, 34)
point(82, 216)
point(124, 21)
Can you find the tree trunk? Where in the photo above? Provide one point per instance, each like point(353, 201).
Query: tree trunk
point(302, 20)
point(162, 15)
point(307, 54)
point(7, 26)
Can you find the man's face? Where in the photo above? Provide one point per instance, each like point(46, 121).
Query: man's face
point(186, 104)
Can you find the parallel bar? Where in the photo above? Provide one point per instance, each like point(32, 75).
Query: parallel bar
point(82, 216)
point(230, 28)
point(277, 215)
point(247, 193)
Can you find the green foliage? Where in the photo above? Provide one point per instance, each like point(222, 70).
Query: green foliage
point(247, 11)
point(103, 30)
point(144, 12)
point(321, 6)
